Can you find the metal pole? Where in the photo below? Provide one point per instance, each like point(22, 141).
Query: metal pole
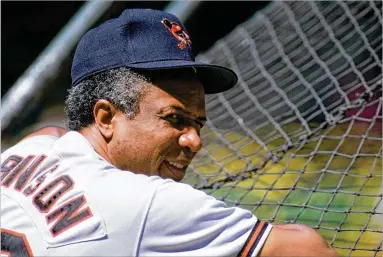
point(48, 63)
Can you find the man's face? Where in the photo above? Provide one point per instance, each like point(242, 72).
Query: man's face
point(163, 137)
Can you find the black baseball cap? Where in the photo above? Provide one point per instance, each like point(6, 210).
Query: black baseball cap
point(145, 39)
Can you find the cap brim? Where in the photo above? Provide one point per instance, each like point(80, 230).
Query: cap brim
point(214, 78)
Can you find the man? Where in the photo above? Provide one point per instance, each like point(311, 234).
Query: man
point(109, 186)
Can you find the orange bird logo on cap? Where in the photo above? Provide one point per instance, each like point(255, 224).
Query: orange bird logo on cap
point(178, 32)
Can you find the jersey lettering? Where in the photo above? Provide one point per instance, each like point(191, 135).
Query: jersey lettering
point(25, 176)
point(71, 213)
point(9, 164)
point(60, 185)
point(32, 188)
point(68, 215)
point(14, 244)
point(15, 172)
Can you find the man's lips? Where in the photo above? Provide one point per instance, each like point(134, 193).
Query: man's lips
point(178, 170)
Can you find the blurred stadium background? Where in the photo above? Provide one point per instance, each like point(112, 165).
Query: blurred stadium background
point(299, 139)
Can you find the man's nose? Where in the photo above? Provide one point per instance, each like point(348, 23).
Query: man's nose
point(191, 140)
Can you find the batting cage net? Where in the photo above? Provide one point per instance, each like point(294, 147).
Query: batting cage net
point(299, 139)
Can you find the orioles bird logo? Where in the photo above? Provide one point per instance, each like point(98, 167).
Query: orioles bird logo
point(178, 32)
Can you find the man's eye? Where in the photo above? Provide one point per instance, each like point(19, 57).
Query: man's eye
point(176, 119)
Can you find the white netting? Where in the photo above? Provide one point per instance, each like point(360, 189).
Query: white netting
point(299, 139)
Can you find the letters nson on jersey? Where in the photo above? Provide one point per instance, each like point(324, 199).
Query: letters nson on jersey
point(60, 198)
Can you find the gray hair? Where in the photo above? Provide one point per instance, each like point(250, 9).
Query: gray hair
point(122, 87)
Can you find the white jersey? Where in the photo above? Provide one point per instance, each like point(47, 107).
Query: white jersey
point(60, 198)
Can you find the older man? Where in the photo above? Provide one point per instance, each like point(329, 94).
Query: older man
point(109, 186)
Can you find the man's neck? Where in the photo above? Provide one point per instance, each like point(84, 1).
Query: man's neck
point(97, 141)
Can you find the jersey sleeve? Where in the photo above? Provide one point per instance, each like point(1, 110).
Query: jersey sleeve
point(183, 221)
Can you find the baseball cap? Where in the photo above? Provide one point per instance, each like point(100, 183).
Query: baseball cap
point(145, 39)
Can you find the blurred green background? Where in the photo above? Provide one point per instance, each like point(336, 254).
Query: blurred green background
point(331, 182)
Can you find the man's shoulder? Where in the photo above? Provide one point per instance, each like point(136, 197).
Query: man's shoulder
point(72, 160)
point(43, 144)
point(30, 145)
point(72, 194)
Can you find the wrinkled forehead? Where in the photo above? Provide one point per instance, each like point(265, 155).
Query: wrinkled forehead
point(182, 84)
point(175, 94)
point(189, 92)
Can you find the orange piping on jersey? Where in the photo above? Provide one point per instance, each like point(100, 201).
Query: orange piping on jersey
point(253, 237)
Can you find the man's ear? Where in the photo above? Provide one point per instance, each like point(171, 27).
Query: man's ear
point(103, 113)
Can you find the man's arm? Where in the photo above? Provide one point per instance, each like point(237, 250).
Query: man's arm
point(295, 240)
point(50, 131)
